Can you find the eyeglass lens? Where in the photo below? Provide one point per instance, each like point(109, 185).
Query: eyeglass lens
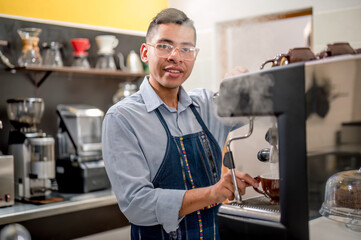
point(165, 50)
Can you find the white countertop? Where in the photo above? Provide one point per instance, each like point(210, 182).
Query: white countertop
point(76, 202)
point(325, 229)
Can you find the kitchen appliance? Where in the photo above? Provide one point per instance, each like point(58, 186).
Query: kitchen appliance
point(6, 181)
point(30, 54)
point(305, 160)
point(80, 166)
point(280, 94)
point(33, 150)
point(343, 199)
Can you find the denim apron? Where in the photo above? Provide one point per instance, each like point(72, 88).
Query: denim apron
point(190, 161)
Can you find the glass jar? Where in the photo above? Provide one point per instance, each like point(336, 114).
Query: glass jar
point(125, 90)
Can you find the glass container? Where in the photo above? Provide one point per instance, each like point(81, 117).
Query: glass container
point(125, 90)
point(30, 54)
point(106, 61)
point(52, 56)
point(81, 62)
point(343, 199)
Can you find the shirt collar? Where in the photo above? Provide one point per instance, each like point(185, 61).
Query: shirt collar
point(153, 101)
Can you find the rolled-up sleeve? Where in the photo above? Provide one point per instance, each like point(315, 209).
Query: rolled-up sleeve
point(129, 173)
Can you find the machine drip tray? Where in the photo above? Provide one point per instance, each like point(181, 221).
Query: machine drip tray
point(54, 197)
point(257, 208)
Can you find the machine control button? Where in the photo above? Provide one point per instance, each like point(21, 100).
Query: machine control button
point(7, 197)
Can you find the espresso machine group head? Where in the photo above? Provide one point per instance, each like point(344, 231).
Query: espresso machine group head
point(80, 167)
point(33, 150)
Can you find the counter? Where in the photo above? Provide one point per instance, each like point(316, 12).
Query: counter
point(325, 229)
point(79, 215)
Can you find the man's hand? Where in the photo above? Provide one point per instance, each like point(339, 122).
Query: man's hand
point(198, 198)
point(224, 188)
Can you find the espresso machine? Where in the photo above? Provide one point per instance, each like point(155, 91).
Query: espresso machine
point(312, 103)
point(279, 94)
point(6, 178)
point(80, 167)
point(33, 150)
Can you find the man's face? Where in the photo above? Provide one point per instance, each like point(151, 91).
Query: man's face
point(172, 71)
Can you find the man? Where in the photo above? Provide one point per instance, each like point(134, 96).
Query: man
point(161, 146)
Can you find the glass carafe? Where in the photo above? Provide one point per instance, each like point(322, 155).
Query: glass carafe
point(125, 90)
point(106, 61)
point(30, 52)
point(52, 56)
point(80, 62)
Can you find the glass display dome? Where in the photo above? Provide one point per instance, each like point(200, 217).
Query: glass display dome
point(343, 199)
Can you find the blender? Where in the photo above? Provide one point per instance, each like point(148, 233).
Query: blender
point(33, 150)
point(30, 52)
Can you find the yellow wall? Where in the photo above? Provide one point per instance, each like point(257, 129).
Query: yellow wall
point(124, 14)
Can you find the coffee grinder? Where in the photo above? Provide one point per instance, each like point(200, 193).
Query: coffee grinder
point(33, 150)
point(80, 166)
point(278, 93)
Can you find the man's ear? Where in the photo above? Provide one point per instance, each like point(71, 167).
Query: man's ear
point(144, 53)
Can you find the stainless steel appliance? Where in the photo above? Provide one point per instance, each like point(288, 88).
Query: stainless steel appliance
point(33, 150)
point(80, 166)
point(314, 103)
point(6, 181)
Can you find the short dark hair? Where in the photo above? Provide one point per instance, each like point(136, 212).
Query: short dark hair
point(170, 15)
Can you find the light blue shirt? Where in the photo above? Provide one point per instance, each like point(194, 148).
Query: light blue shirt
point(134, 143)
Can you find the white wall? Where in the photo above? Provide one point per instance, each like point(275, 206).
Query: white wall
point(333, 20)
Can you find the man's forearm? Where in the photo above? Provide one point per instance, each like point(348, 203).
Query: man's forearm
point(196, 199)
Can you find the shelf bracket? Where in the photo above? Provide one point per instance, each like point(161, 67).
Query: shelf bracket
point(36, 81)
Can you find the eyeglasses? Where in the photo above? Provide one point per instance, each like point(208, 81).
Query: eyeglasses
point(164, 50)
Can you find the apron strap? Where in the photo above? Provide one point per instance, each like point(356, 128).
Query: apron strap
point(161, 119)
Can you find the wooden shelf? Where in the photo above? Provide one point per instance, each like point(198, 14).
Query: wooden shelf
point(46, 71)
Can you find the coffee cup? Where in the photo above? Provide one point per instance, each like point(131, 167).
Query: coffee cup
point(294, 55)
point(335, 49)
point(271, 187)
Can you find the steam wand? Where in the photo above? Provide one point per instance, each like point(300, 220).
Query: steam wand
point(229, 162)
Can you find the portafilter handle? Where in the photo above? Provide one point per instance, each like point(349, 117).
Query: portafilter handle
point(229, 162)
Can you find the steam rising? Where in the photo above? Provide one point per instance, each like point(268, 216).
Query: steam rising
point(246, 95)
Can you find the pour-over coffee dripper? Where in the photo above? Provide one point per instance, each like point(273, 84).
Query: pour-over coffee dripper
point(106, 45)
point(80, 46)
point(30, 52)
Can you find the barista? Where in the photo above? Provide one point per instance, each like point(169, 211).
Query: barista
point(161, 146)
